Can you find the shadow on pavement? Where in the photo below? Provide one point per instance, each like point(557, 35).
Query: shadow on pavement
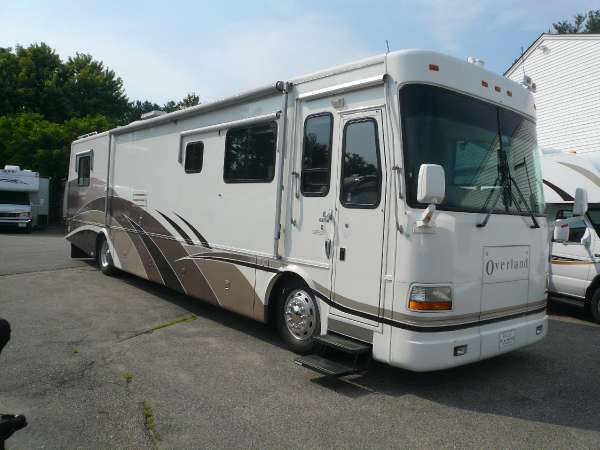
point(548, 382)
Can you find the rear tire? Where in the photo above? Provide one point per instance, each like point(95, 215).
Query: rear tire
point(105, 260)
point(595, 306)
point(297, 317)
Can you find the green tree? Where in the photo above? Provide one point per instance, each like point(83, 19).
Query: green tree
point(46, 103)
point(582, 23)
point(29, 140)
point(9, 69)
point(93, 89)
point(192, 99)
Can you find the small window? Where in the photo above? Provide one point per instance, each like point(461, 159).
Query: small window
point(250, 154)
point(361, 167)
point(83, 170)
point(576, 228)
point(194, 154)
point(316, 155)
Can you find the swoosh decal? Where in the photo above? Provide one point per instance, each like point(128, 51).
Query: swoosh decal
point(183, 234)
point(203, 241)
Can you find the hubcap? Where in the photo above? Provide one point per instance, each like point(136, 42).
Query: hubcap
point(104, 254)
point(300, 314)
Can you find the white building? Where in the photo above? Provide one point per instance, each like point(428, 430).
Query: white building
point(566, 71)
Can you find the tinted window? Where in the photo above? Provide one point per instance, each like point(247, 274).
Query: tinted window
point(361, 171)
point(83, 170)
point(316, 155)
point(194, 152)
point(576, 229)
point(250, 154)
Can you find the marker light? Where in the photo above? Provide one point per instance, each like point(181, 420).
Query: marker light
point(484, 83)
point(497, 89)
point(434, 67)
point(430, 298)
point(509, 93)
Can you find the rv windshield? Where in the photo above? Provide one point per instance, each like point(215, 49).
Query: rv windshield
point(14, 198)
point(466, 137)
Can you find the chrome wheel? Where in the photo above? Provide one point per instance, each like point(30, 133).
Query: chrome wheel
point(300, 314)
point(104, 254)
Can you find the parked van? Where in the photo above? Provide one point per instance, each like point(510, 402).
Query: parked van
point(390, 206)
point(574, 276)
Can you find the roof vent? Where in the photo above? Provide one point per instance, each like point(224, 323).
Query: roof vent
point(528, 83)
point(10, 168)
point(476, 61)
point(152, 114)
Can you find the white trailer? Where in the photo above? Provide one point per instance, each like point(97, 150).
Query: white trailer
point(575, 265)
point(23, 198)
point(391, 206)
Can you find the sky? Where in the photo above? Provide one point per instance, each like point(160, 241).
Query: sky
point(164, 50)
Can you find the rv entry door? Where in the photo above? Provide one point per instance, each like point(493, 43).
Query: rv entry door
point(313, 191)
point(359, 216)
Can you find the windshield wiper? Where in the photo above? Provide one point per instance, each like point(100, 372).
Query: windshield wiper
point(507, 181)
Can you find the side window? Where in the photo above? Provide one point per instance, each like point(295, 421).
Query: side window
point(194, 154)
point(361, 166)
point(250, 154)
point(576, 229)
point(316, 155)
point(83, 170)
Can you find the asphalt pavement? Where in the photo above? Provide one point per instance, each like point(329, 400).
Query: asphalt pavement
point(107, 362)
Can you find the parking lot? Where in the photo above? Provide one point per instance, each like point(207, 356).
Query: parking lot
point(105, 362)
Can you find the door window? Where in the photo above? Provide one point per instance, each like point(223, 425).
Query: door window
point(83, 170)
point(361, 165)
point(316, 155)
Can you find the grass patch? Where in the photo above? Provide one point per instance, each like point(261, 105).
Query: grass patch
point(188, 318)
point(75, 350)
point(128, 376)
point(149, 423)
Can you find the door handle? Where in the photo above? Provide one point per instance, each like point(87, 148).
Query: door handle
point(328, 248)
point(326, 217)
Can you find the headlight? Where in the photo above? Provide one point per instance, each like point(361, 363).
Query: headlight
point(430, 298)
point(24, 215)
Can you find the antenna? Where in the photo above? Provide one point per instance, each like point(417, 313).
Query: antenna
point(387, 45)
point(522, 62)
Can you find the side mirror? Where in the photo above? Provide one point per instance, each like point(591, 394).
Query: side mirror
point(431, 187)
point(580, 206)
point(561, 231)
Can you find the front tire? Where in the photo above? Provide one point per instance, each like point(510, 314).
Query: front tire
point(298, 318)
point(595, 306)
point(105, 260)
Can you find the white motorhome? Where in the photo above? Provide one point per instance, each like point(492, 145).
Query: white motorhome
point(575, 265)
point(23, 197)
point(392, 205)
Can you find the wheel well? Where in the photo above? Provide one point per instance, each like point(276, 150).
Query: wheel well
point(595, 284)
point(274, 295)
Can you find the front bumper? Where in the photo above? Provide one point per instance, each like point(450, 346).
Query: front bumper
point(21, 223)
point(427, 351)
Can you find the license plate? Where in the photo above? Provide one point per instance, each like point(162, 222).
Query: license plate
point(506, 338)
point(21, 225)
